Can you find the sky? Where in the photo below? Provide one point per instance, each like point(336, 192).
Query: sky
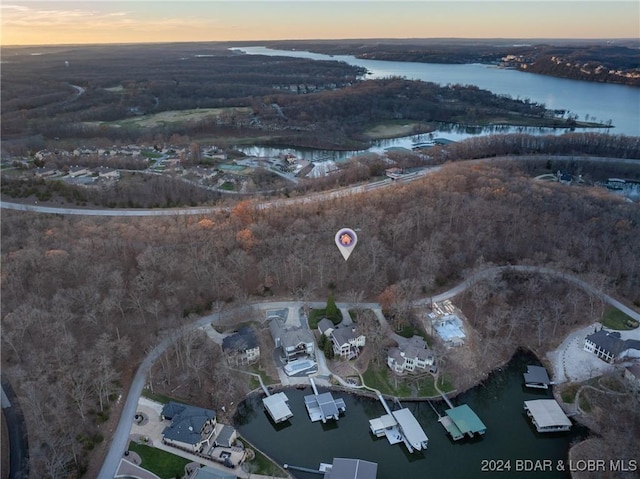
point(50, 22)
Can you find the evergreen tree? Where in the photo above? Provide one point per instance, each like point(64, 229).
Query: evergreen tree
point(331, 311)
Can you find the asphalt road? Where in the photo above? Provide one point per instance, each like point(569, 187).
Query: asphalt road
point(18, 441)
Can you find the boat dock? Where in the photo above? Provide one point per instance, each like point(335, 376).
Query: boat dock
point(322, 407)
point(547, 415)
point(399, 426)
point(342, 468)
point(461, 421)
point(277, 406)
point(537, 377)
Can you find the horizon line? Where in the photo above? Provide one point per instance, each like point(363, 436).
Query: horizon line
point(530, 39)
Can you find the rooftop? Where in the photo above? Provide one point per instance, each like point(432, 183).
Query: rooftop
point(547, 413)
point(410, 426)
point(241, 340)
point(186, 422)
point(276, 405)
point(343, 468)
point(536, 374)
point(466, 420)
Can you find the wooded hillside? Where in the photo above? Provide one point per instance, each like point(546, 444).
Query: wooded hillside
point(83, 298)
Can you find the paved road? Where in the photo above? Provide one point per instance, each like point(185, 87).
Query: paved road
point(18, 441)
point(322, 196)
point(121, 435)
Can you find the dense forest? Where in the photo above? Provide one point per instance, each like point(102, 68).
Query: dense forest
point(98, 292)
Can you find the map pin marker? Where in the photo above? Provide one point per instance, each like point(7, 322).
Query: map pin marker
point(346, 240)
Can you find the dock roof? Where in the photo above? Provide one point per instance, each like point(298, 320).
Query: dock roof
point(536, 374)
point(343, 468)
point(466, 420)
point(410, 426)
point(327, 404)
point(276, 405)
point(547, 413)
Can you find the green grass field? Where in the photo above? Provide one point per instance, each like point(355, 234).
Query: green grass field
point(615, 319)
point(161, 463)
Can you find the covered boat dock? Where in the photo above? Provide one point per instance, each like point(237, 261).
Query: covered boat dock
point(277, 406)
point(537, 377)
point(323, 406)
point(547, 415)
point(462, 421)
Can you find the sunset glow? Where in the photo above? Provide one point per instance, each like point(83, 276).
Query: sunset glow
point(54, 22)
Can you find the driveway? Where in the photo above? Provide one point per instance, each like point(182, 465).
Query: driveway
point(571, 363)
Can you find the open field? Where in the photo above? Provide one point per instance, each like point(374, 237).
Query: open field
point(394, 130)
point(175, 117)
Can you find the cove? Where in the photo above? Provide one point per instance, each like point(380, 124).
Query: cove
point(498, 401)
point(603, 101)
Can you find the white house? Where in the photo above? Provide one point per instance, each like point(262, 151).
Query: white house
point(346, 342)
point(411, 354)
point(609, 346)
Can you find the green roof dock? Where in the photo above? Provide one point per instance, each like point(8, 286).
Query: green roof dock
point(460, 421)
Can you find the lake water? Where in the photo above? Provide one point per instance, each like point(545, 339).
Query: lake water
point(602, 101)
point(498, 402)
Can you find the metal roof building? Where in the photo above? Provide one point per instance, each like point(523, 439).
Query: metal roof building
point(536, 377)
point(415, 437)
point(342, 468)
point(277, 406)
point(466, 421)
point(547, 415)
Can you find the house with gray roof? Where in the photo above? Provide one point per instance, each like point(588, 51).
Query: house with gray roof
point(326, 326)
point(241, 347)
point(191, 427)
point(609, 346)
point(347, 342)
point(225, 435)
point(410, 355)
point(295, 342)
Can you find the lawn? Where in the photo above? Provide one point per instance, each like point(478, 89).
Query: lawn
point(615, 319)
point(261, 464)
point(315, 315)
point(382, 380)
point(161, 463)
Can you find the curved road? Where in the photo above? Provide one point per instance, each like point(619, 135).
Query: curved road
point(322, 196)
point(17, 431)
point(121, 435)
